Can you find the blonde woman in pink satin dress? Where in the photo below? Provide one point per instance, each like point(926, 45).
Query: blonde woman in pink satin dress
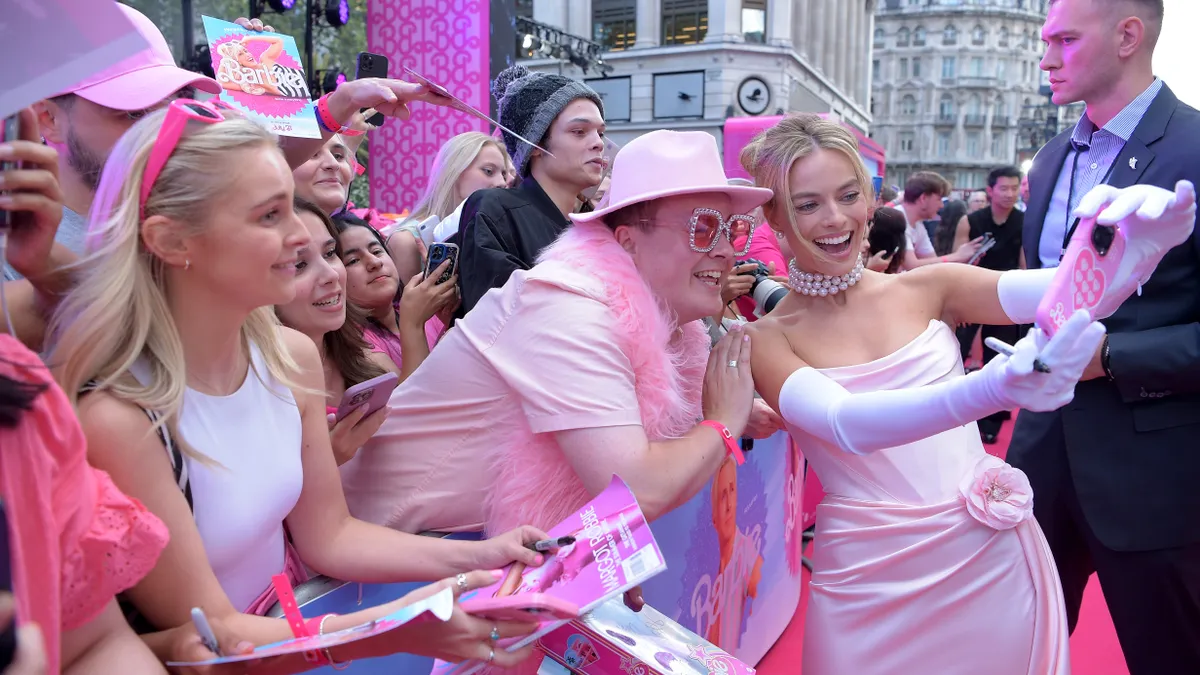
point(927, 558)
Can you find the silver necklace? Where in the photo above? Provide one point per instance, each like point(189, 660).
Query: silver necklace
point(811, 283)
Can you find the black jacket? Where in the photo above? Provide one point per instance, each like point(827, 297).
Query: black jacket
point(503, 230)
point(1131, 445)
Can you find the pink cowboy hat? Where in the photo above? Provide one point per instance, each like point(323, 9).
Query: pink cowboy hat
point(668, 163)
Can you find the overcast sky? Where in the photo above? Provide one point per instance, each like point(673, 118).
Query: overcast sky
point(1175, 58)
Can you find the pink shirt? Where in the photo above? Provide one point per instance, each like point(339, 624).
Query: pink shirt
point(384, 341)
point(75, 540)
point(537, 355)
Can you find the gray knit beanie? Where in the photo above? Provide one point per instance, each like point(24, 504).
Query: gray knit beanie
point(528, 103)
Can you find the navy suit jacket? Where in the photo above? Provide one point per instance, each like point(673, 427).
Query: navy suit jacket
point(1131, 445)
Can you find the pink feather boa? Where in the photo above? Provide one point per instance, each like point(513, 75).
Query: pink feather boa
point(535, 485)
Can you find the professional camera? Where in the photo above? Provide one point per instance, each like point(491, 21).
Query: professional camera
point(766, 292)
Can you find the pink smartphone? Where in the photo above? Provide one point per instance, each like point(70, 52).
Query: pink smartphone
point(536, 607)
point(373, 392)
point(1091, 260)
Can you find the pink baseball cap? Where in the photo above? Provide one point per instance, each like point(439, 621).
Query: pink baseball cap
point(145, 79)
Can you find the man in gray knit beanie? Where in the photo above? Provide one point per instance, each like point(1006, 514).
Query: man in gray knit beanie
point(502, 229)
point(529, 102)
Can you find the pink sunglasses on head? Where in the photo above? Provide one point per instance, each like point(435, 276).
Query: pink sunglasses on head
point(179, 113)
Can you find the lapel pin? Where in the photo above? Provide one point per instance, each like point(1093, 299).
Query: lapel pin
point(1133, 163)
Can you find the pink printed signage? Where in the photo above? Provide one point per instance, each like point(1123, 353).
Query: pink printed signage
point(436, 607)
point(615, 640)
point(614, 551)
point(262, 76)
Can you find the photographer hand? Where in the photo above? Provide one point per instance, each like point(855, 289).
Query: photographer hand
point(737, 282)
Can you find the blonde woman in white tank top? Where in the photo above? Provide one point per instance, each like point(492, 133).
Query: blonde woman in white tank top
point(172, 317)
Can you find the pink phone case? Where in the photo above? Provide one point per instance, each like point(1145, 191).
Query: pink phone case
point(526, 607)
point(1083, 275)
point(374, 392)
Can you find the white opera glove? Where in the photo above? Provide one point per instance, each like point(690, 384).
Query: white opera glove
point(871, 421)
point(1150, 219)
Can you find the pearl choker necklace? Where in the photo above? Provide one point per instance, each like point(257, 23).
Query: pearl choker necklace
point(810, 283)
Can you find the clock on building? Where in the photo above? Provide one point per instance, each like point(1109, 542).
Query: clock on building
point(754, 96)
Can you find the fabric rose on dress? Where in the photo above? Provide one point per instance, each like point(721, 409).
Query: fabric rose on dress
point(997, 494)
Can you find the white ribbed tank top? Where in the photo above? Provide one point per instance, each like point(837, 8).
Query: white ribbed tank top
point(239, 506)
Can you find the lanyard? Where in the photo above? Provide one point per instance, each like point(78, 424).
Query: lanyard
point(1070, 225)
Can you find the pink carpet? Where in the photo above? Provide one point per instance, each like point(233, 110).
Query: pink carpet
point(1094, 647)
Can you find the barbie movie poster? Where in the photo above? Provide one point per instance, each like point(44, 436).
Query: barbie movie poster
point(733, 553)
point(614, 551)
point(262, 76)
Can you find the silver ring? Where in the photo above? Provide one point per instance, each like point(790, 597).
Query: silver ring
point(495, 634)
point(733, 364)
point(461, 581)
point(491, 655)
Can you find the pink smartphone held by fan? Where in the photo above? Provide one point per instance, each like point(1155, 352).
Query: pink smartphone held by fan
point(374, 392)
point(1090, 262)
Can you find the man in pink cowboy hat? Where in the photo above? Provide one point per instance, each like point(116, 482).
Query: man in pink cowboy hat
point(594, 362)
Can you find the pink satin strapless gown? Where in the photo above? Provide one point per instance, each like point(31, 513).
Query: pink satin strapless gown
point(927, 558)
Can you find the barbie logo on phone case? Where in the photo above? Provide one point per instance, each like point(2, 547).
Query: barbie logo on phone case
point(1091, 260)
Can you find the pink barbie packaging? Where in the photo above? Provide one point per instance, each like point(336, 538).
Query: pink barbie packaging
point(615, 640)
point(1089, 264)
point(614, 551)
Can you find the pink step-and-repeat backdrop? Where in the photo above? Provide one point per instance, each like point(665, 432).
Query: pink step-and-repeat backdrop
point(447, 42)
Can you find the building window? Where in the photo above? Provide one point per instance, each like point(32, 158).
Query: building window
point(754, 21)
point(879, 37)
point(684, 22)
point(946, 108)
point(908, 105)
point(614, 23)
point(916, 67)
point(903, 69)
point(998, 147)
point(949, 35)
point(975, 106)
point(1003, 41)
point(973, 140)
point(977, 66)
point(1000, 110)
point(875, 69)
point(919, 37)
point(907, 141)
point(943, 144)
point(978, 35)
point(525, 8)
point(903, 37)
point(1001, 69)
point(949, 65)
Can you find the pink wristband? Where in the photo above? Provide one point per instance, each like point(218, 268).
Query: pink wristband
point(329, 122)
point(291, 612)
point(731, 444)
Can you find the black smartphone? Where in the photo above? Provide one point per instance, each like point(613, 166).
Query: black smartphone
point(372, 65)
point(439, 253)
point(10, 132)
point(8, 636)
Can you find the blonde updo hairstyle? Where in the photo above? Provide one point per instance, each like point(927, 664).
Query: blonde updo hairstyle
point(117, 313)
point(770, 156)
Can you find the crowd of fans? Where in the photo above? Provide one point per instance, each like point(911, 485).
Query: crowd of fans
point(191, 298)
